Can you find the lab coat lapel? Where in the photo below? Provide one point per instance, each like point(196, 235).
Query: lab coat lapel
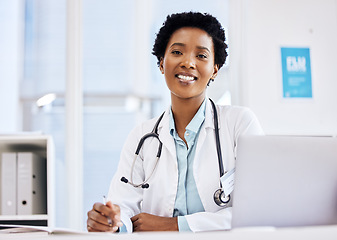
point(203, 167)
point(202, 135)
point(165, 136)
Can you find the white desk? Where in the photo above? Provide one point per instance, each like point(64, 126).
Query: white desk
point(307, 233)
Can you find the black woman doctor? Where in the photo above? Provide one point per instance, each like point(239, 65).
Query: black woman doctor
point(176, 191)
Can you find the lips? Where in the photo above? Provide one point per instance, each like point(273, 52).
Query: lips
point(186, 77)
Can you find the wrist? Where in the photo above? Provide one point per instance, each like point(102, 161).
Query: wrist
point(174, 224)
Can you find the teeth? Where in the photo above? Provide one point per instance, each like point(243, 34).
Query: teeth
point(186, 78)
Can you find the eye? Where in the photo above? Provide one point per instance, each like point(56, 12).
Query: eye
point(176, 52)
point(203, 56)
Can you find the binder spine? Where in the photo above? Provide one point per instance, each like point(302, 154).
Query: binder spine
point(8, 184)
point(31, 184)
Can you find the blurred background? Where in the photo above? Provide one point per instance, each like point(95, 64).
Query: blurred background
point(121, 85)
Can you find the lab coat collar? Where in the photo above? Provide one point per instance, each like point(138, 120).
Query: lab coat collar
point(208, 125)
point(164, 133)
point(209, 119)
point(164, 128)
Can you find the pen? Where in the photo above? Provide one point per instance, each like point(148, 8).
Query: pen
point(109, 219)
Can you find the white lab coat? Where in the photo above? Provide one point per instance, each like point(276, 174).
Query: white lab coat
point(159, 198)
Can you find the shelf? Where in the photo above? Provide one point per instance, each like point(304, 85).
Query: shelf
point(43, 146)
point(35, 143)
point(23, 217)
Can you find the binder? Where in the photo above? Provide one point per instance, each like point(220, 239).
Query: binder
point(31, 184)
point(8, 184)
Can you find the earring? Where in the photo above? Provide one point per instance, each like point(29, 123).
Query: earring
point(211, 80)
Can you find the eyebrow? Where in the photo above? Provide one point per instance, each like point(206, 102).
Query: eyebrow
point(183, 45)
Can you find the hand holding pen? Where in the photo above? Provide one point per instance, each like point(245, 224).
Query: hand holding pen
point(104, 217)
point(117, 218)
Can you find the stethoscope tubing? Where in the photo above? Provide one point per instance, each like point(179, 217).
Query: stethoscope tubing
point(143, 184)
point(217, 139)
point(141, 142)
point(153, 133)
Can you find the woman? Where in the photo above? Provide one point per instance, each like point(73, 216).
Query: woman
point(190, 48)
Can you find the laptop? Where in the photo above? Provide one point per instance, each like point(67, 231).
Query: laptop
point(285, 181)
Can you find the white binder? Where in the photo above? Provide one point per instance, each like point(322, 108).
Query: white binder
point(31, 184)
point(8, 184)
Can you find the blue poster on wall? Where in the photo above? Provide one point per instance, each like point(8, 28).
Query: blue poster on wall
point(296, 71)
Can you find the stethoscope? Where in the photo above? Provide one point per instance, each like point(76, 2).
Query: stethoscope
point(220, 198)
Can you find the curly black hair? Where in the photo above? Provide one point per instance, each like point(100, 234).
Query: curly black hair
point(206, 22)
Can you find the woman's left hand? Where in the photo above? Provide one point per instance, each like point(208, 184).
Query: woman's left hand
point(149, 222)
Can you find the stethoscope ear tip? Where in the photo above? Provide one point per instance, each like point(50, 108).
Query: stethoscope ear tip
point(123, 179)
point(144, 185)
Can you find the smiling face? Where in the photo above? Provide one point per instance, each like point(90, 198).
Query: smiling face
point(188, 63)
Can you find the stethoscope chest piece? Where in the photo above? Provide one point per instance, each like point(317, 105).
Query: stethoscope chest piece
point(220, 198)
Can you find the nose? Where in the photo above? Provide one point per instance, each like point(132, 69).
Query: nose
point(188, 62)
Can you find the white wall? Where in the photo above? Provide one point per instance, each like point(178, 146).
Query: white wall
point(10, 64)
point(259, 28)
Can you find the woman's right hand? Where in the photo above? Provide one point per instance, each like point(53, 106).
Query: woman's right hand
point(104, 218)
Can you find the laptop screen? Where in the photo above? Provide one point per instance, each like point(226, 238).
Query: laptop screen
point(285, 181)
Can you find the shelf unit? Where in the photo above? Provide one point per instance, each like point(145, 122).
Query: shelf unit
point(42, 145)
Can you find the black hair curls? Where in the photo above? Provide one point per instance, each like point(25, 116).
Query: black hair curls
point(206, 22)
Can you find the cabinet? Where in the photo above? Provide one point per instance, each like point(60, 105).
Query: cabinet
point(43, 146)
